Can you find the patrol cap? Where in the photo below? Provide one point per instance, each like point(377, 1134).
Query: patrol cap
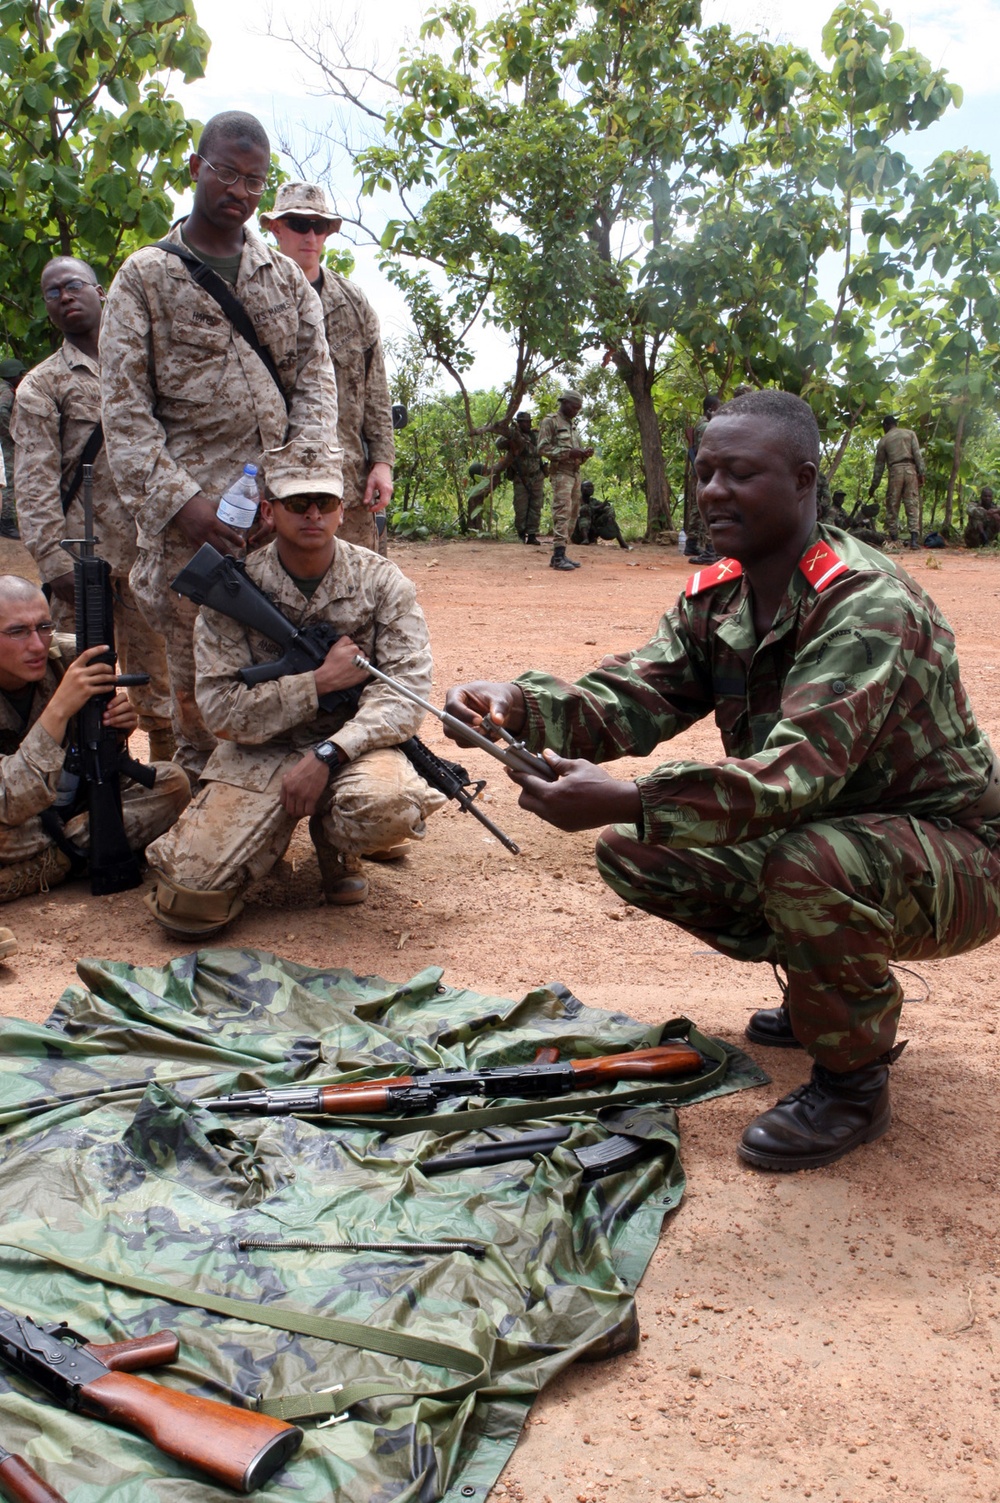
point(569, 395)
point(11, 369)
point(302, 198)
point(304, 465)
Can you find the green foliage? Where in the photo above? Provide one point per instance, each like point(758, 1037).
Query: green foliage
point(92, 143)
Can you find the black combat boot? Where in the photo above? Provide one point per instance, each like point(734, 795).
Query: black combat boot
point(914, 541)
point(823, 1119)
point(531, 539)
point(559, 559)
point(772, 1026)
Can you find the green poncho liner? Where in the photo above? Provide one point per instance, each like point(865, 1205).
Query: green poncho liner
point(107, 1161)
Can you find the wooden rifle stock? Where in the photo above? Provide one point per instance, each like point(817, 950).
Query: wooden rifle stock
point(237, 1447)
point(641, 1064)
point(20, 1483)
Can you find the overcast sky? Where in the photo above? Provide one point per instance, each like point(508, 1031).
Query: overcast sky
point(248, 69)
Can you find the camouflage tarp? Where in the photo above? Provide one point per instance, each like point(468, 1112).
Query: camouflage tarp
point(144, 1183)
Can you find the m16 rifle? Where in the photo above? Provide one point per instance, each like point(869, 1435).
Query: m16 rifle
point(97, 753)
point(237, 1447)
point(221, 583)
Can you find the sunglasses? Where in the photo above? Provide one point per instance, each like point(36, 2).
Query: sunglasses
point(302, 226)
point(299, 505)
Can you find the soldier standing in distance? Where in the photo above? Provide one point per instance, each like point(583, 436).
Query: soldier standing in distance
point(526, 470)
point(559, 443)
point(301, 222)
point(698, 545)
point(11, 372)
point(188, 401)
point(854, 817)
point(899, 449)
point(56, 430)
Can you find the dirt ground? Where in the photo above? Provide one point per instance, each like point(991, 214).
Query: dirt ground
point(830, 1335)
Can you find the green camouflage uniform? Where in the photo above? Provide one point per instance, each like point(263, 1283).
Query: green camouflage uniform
point(526, 472)
point(900, 450)
point(836, 833)
point(694, 526)
point(983, 526)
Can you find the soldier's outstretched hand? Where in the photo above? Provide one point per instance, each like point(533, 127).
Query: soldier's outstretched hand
point(479, 703)
point(583, 797)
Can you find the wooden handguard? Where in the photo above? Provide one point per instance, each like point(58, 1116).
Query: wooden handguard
point(640, 1064)
point(237, 1447)
point(361, 1096)
point(20, 1483)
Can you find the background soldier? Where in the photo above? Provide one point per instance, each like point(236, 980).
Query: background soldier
point(188, 401)
point(301, 221)
point(898, 448)
point(697, 545)
point(11, 372)
point(983, 525)
point(597, 519)
point(57, 430)
point(559, 443)
point(526, 470)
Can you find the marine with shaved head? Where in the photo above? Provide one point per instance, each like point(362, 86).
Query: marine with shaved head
point(56, 427)
point(41, 689)
point(854, 817)
point(188, 399)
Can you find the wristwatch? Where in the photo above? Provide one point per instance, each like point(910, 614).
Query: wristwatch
point(328, 753)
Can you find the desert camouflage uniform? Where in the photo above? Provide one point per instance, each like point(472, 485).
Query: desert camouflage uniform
point(525, 471)
point(7, 395)
point(900, 450)
point(186, 404)
point(30, 767)
point(837, 833)
point(236, 829)
point(556, 436)
point(363, 405)
point(58, 404)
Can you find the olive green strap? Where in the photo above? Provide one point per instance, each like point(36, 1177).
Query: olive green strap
point(327, 1328)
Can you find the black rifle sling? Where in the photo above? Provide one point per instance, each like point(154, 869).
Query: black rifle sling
point(91, 449)
point(210, 281)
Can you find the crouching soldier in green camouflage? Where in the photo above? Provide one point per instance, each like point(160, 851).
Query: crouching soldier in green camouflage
point(597, 519)
point(282, 756)
point(855, 816)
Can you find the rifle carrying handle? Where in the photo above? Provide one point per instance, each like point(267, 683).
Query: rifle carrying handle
point(237, 1447)
point(20, 1483)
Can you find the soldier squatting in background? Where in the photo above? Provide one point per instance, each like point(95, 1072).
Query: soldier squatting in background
point(855, 816)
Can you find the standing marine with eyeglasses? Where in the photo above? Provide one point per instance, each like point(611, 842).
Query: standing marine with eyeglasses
point(199, 377)
point(301, 222)
point(281, 756)
point(40, 692)
point(56, 430)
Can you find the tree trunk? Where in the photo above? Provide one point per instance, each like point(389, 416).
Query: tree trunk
point(956, 463)
point(638, 378)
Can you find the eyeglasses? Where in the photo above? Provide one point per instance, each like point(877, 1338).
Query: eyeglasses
point(229, 176)
point(22, 633)
point(302, 226)
point(55, 290)
point(299, 505)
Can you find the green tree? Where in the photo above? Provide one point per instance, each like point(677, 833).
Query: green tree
point(92, 143)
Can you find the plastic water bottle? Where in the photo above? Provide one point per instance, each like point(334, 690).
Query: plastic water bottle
point(682, 538)
point(238, 506)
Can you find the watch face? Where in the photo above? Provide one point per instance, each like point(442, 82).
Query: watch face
point(326, 752)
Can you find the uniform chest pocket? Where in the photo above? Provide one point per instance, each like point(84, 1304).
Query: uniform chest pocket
point(193, 361)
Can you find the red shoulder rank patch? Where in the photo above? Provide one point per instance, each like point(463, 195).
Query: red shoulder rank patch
point(706, 579)
point(821, 566)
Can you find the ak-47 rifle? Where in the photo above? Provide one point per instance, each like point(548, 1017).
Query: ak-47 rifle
point(212, 579)
point(97, 752)
point(237, 1447)
point(423, 1090)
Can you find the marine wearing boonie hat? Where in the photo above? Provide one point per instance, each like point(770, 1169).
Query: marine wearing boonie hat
point(302, 198)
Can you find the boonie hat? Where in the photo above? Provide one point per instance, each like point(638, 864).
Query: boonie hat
point(302, 198)
point(303, 465)
point(11, 369)
point(569, 395)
